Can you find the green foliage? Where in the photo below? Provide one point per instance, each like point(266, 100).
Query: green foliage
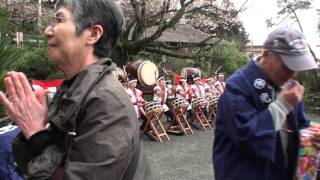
point(228, 57)
point(233, 59)
point(310, 81)
point(33, 62)
point(8, 56)
point(4, 25)
point(36, 65)
point(4, 121)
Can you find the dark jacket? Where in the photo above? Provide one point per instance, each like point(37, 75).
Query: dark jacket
point(95, 130)
point(246, 144)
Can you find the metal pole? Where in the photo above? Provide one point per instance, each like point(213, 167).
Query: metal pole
point(38, 22)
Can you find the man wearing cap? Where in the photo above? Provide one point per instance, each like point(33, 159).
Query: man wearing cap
point(260, 113)
point(137, 100)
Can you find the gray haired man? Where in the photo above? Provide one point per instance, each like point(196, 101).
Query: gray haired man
point(261, 111)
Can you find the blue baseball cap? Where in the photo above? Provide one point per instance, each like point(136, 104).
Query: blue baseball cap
point(292, 47)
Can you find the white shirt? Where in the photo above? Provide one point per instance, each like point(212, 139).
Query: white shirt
point(135, 97)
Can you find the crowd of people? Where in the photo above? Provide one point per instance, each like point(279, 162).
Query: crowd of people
point(164, 93)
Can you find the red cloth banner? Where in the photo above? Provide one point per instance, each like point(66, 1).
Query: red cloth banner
point(45, 84)
point(177, 79)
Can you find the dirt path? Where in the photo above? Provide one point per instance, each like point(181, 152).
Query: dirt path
point(182, 158)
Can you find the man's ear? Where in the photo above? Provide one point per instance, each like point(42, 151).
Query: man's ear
point(94, 34)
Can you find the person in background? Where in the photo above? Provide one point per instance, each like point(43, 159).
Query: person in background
point(197, 88)
point(170, 90)
point(137, 100)
point(210, 89)
point(198, 91)
point(220, 84)
point(261, 111)
point(182, 91)
point(160, 94)
point(90, 130)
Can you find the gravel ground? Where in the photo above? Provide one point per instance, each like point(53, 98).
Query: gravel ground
point(184, 157)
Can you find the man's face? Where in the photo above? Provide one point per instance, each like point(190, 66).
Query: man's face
point(64, 46)
point(276, 70)
point(221, 78)
point(133, 84)
point(162, 82)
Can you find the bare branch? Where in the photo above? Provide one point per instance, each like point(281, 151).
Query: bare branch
point(163, 26)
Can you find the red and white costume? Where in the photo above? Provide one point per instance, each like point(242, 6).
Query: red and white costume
point(220, 85)
point(197, 90)
point(162, 98)
point(136, 98)
point(183, 91)
point(210, 90)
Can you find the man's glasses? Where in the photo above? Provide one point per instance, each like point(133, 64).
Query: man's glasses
point(58, 19)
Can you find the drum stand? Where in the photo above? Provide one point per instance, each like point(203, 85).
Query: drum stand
point(200, 117)
point(212, 114)
point(156, 126)
point(179, 118)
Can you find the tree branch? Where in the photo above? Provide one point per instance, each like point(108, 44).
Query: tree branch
point(163, 26)
point(139, 16)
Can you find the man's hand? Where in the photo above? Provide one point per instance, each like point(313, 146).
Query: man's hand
point(292, 93)
point(28, 109)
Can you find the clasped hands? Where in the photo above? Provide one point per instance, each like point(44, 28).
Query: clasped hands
point(27, 109)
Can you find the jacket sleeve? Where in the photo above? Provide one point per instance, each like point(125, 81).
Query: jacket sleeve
point(40, 167)
point(303, 119)
point(103, 143)
point(250, 130)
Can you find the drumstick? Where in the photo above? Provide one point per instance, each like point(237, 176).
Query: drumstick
point(216, 72)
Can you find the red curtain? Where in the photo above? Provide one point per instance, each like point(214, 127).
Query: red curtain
point(46, 84)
